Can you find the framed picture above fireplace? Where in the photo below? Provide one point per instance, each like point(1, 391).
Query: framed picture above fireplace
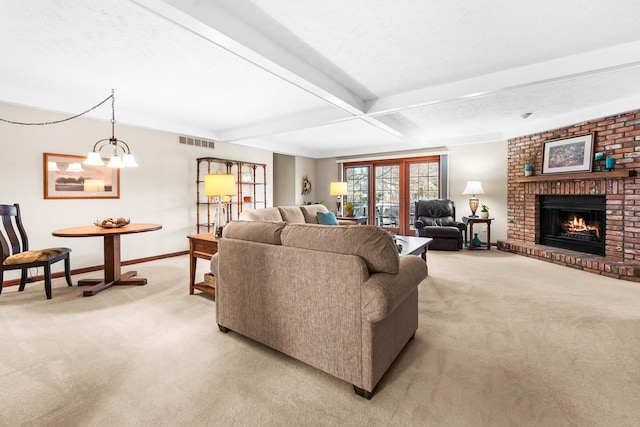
point(568, 155)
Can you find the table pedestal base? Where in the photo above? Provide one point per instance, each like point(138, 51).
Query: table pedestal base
point(98, 285)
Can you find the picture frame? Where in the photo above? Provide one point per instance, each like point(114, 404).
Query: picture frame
point(61, 181)
point(567, 155)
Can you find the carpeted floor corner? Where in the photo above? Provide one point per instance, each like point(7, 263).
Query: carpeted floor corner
point(503, 340)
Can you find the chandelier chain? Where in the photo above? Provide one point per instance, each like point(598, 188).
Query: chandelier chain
point(61, 120)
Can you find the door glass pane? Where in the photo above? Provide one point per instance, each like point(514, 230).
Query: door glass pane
point(387, 192)
point(423, 184)
point(357, 179)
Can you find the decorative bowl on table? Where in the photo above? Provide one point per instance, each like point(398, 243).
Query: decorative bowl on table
point(112, 222)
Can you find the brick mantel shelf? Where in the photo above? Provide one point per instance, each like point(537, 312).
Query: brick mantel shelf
point(589, 176)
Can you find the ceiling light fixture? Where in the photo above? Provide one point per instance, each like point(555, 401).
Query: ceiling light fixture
point(93, 158)
point(115, 161)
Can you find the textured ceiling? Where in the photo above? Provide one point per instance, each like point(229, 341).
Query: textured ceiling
point(327, 78)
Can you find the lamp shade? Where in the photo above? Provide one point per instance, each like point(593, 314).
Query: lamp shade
point(473, 188)
point(338, 189)
point(219, 184)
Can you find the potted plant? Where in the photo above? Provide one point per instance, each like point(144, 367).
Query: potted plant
point(484, 211)
point(348, 208)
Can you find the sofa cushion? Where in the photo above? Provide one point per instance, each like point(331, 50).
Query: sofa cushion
point(255, 231)
point(310, 212)
point(291, 214)
point(374, 245)
point(265, 214)
point(327, 218)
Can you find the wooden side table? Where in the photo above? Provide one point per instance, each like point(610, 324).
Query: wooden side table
point(359, 220)
point(202, 246)
point(477, 220)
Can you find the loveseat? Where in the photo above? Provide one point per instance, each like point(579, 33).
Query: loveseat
point(305, 214)
point(338, 298)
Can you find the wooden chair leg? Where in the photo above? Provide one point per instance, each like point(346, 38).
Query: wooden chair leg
point(47, 280)
point(67, 270)
point(23, 279)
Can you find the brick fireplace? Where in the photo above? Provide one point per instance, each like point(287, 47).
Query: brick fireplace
point(618, 137)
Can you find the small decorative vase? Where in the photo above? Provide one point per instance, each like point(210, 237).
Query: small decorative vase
point(528, 170)
point(476, 241)
point(484, 214)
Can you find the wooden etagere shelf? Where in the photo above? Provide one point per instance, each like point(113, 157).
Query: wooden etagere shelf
point(251, 181)
point(588, 176)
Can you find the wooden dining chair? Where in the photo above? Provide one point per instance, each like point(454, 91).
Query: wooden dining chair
point(16, 254)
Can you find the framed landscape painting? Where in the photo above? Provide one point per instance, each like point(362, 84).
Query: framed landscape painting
point(568, 155)
point(66, 177)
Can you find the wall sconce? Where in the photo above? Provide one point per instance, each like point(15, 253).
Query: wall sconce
point(473, 188)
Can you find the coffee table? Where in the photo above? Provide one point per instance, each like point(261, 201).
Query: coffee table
point(412, 245)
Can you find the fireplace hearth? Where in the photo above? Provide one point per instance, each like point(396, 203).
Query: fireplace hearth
point(575, 222)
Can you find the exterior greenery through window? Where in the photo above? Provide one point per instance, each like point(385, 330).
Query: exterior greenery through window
point(386, 190)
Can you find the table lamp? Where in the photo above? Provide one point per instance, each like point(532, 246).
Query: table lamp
point(219, 185)
point(473, 188)
point(338, 189)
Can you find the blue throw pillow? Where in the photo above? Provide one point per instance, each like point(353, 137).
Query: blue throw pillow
point(327, 218)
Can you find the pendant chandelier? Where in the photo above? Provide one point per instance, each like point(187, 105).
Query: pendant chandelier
point(93, 158)
point(115, 161)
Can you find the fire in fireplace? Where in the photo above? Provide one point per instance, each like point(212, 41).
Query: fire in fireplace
point(573, 222)
point(577, 228)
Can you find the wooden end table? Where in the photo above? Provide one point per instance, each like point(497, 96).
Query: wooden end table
point(477, 220)
point(359, 220)
point(203, 246)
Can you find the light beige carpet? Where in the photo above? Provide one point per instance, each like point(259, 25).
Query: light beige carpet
point(503, 341)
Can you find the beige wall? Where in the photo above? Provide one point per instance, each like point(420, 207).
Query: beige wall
point(162, 190)
point(284, 186)
point(486, 162)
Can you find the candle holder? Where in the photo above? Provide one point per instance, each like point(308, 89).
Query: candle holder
point(599, 162)
point(609, 164)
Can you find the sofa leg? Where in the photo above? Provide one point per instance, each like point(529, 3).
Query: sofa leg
point(223, 329)
point(363, 393)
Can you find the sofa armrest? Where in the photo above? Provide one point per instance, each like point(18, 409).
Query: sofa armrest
point(384, 292)
point(418, 224)
point(214, 264)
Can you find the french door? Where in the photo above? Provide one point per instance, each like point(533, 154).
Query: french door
point(386, 190)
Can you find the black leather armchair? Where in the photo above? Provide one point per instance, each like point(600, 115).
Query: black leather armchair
point(436, 218)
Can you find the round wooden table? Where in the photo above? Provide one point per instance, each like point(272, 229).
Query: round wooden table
point(112, 267)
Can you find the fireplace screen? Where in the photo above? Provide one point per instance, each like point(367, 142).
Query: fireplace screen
point(573, 222)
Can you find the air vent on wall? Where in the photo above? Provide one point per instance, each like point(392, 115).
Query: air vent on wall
point(196, 142)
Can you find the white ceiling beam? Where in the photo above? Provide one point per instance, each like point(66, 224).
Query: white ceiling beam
point(288, 124)
point(207, 20)
point(575, 66)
